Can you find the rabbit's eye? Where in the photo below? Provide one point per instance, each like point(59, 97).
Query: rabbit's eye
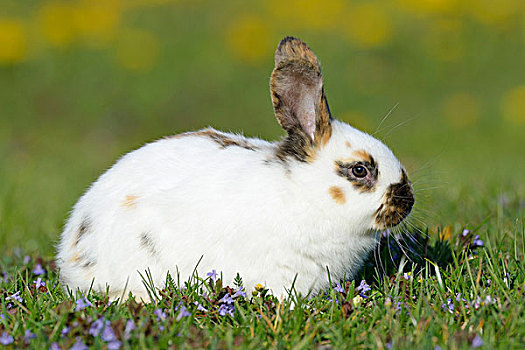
point(359, 171)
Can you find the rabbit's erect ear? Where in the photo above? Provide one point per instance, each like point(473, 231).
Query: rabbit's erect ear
point(297, 91)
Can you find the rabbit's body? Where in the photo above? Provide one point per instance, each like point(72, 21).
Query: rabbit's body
point(271, 212)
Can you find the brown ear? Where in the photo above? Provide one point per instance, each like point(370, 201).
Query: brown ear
point(297, 92)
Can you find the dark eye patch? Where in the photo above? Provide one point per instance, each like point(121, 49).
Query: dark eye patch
point(353, 172)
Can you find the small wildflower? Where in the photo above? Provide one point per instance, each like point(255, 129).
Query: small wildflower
point(476, 342)
point(54, 346)
point(161, 315)
point(39, 283)
point(437, 347)
point(239, 293)
point(114, 345)
point(477, 242)
point(108, 335)
point(489, 282)
point(130, 326)
point(226, 310)
point(212, 275)
point(465, 232)
point(363, 288)
point(259, 287)
point(449, 305)
point(338, 288)
point(38, 270)
point(79, 345)
point(227, 299)
point(16, 297)
point(27, 259)
point(200, 307)
point(2, 317)
point(64, 331)
point(6, 339)
point(183, 312)
point(28, 335)
point(96, 327)
point(389, 345)
point(82, 303)
point(406, 275)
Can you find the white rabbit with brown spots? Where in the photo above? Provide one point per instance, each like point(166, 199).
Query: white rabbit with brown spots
point(270, 211)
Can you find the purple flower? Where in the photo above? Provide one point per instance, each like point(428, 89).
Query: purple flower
point(108, 335)
point(39, 283)
point(212, 275)
point(96, 327)
point(437, 347)
point(448, 305)
point(363, 288)
point(227, 299)
point(465, 232)
point(6, 339)
point(406, 276)
point(338, 288)
point(38, 270)
point(389, 345)
point(226, 310)
point(114, 345)
point(5, 276)
point(64, 331)
point(200, 307)
point(16, 297)
point(477, 242)
point(28, 335)
point(27, 259)
point(54, 346)
point(130, 326)
point(161, 316)
point(2, 317)
point(477, 342)
point(82, 303)
point(79, 345)
point(239, 293)
point(183, 312)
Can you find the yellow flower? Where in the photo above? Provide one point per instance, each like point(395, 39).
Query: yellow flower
point(259, 286)
point(249, 38)
point(496, 13)
point(97, 21)
point(57, 22)
point(368, 25)
point(446, 233)
point(13, 41)
point(513, 105)
point(461, 110)
point(136, 49)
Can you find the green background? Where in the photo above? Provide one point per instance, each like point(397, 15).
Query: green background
point(84, 82)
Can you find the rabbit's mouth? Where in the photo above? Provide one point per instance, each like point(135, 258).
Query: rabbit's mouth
point(397, 204)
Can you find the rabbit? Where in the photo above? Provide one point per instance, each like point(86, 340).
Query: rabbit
point(296, 212)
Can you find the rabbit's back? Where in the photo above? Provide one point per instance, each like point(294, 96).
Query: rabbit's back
point(167, 204)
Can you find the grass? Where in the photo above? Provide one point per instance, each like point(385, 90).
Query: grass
point(443, 288)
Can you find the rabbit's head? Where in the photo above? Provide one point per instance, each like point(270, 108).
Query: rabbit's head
point(362, 179)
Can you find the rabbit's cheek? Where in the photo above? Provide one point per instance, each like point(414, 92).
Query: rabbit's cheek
point(398, 202)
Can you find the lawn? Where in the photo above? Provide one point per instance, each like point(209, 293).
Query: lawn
point(441, 82)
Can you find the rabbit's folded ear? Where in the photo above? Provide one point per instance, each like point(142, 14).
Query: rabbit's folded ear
point(297, 92)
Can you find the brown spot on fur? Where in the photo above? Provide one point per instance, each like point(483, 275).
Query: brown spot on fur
point(337, 194)
point(348, 144)
point(363, 155)
point(397, 203)
point(82, 259)
point(83, 228)
point(222, 139)
point(147, 243)
point(130, 201)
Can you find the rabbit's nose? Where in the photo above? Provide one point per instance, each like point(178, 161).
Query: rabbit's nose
point(398, 202)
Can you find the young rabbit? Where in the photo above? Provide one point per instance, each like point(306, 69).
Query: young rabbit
point(270, 211)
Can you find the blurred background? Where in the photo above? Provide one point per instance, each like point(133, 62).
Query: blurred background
point(82, 82)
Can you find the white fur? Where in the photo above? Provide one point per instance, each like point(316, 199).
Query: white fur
point(241, 210)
